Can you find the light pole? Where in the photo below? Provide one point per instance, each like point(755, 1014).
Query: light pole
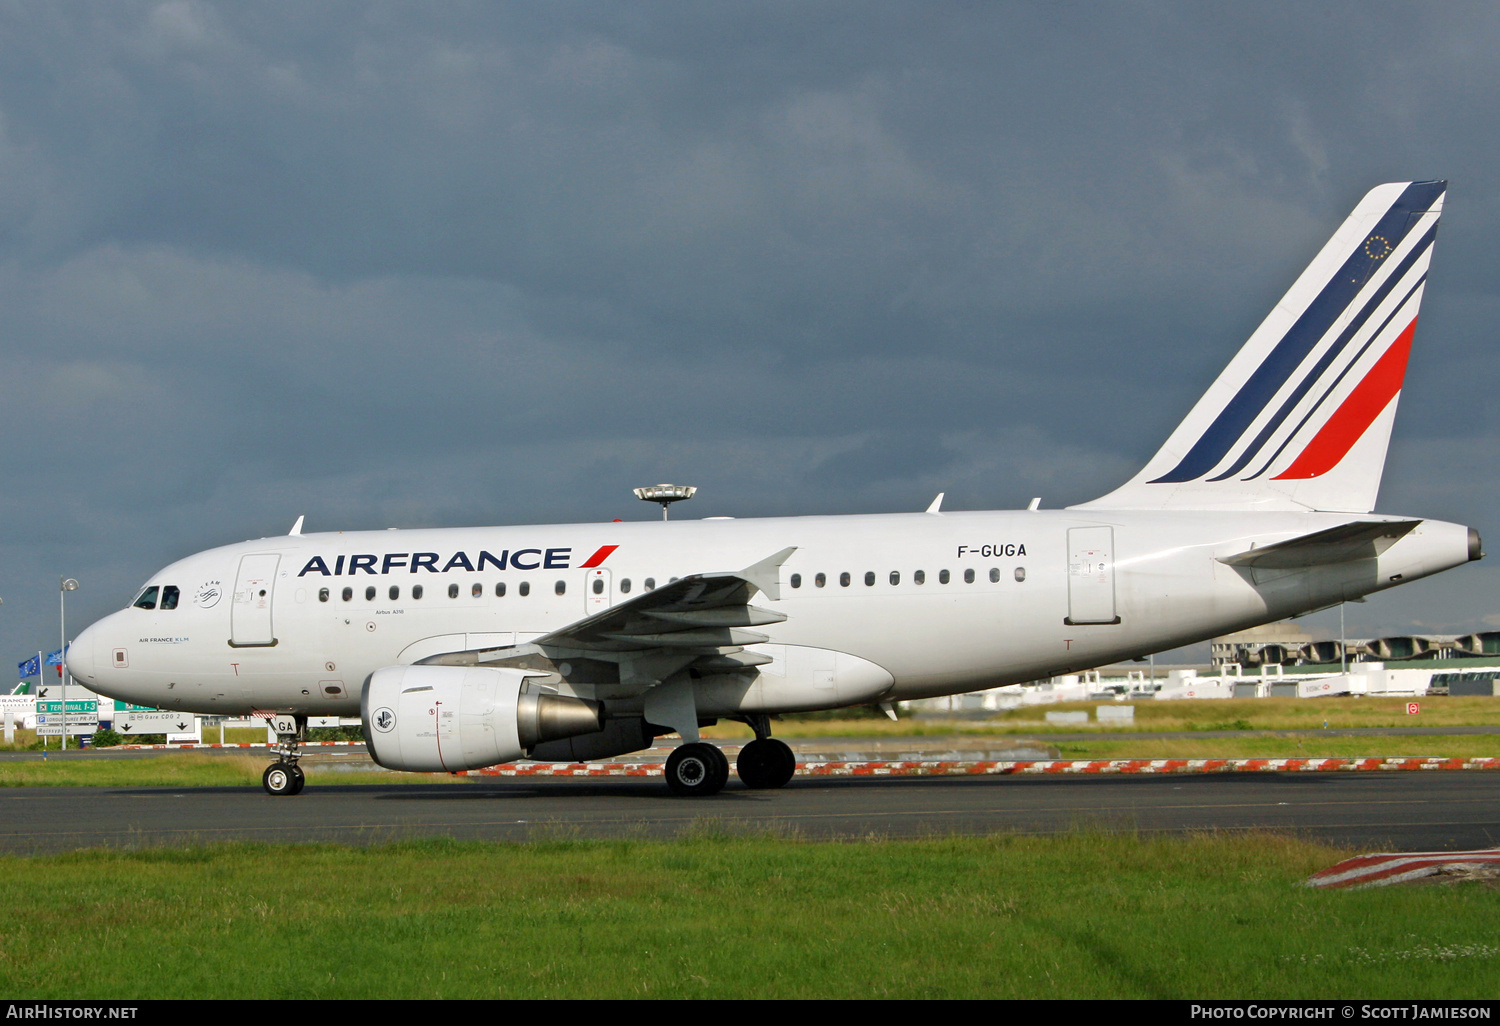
point(666, 494)
point(63, 587)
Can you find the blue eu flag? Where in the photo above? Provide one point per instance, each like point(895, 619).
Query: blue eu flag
point(31, 667)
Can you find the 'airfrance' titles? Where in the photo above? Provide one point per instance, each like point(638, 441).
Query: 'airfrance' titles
point(433, 562)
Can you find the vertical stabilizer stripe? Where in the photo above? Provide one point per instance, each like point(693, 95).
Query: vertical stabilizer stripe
point(1350, 421)
point(1334, 351)
point(1402, 309)
point(1289, 352)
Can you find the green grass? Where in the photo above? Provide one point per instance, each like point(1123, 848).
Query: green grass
point(186, 769)
point(1455, 746)
point(1087, 915)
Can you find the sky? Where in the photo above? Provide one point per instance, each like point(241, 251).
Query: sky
point(417, 264)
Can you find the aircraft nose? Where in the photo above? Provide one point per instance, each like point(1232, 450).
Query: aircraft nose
point(81, 655)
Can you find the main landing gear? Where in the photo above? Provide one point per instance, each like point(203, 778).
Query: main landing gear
point(700, 769)
point(284, 776)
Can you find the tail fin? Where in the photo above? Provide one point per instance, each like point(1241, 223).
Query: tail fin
point(1301, 417)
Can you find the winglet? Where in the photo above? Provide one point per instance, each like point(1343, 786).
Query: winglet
point(766, 575)
point(937, 504)
point(297, 527)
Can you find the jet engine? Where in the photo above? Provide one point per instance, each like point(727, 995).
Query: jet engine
point(449, 718)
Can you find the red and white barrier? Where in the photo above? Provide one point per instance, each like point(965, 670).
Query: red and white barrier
point(1381, 870)
point(988, 767)
point(248, 744)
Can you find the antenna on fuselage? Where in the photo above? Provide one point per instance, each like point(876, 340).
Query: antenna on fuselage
point(297, 527)
point(666, 494)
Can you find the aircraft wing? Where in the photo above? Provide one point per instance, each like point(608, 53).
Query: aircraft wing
point(1343, 544)
point(702, 619)
point(701, 611)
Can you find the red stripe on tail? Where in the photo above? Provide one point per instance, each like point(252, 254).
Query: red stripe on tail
point(1350, 421)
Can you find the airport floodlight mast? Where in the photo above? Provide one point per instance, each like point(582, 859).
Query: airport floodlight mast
point(63, 587)
point(666, 494)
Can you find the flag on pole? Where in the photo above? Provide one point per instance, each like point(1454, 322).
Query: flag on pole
point(31, 667)
point(56, 659)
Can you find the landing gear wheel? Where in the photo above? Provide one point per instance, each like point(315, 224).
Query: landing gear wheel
point(697, 770)
point(300, 780)
point(766, 763)
point(282, 778)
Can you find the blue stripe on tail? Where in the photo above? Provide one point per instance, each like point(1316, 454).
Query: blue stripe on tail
point(1292, 349)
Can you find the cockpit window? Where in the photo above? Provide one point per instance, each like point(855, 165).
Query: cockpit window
point(169, 596)
point(147, 598)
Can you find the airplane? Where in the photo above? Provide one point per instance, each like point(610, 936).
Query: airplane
point(463, 648)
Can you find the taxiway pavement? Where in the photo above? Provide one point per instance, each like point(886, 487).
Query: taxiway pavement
point(1395, 811)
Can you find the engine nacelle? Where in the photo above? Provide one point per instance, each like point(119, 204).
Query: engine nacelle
point(448, 718)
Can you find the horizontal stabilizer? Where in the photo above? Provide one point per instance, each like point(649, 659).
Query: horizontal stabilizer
point(1343, 544)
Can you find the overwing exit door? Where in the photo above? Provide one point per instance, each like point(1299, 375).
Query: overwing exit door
point(1091, 575)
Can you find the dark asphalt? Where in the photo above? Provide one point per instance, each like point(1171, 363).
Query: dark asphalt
point(1404, 811)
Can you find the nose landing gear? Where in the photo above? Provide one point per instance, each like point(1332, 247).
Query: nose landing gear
point(284, 776)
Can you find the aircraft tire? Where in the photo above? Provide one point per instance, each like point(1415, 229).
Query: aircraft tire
point(697, 770)
point(279, 779)
point(300, 781)
point(766, 764)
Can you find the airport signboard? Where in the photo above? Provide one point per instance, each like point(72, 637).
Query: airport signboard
point(74, 729)
point(153, 722)
point(86, 705)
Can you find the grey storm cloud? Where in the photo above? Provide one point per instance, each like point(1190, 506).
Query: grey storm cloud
point(420, 264)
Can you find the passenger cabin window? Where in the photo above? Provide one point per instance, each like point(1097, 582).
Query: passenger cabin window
point(844, 579)
point(500, 589)
point(348, 593)
point(994, 574)
point(942, 577)
point(869, 578)
point(895, 576)
point(477, 591)
point(524, 589)
point(624, 585)
point(395, 592)
point(416, 591)
point(1020, 573)
point(322, 596)
point(651, 584)
point(820, 580)
point(796, 580)
point(969, 576)
point(453, 591)
point(370, 593)
point(919, 577)
point(560, 587)
point(598, 586)
point(147, 598)
point(169, 596)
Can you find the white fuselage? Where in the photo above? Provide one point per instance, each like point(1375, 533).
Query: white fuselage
point(1027, 594)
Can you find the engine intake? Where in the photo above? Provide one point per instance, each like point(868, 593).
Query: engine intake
point(449, 718)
